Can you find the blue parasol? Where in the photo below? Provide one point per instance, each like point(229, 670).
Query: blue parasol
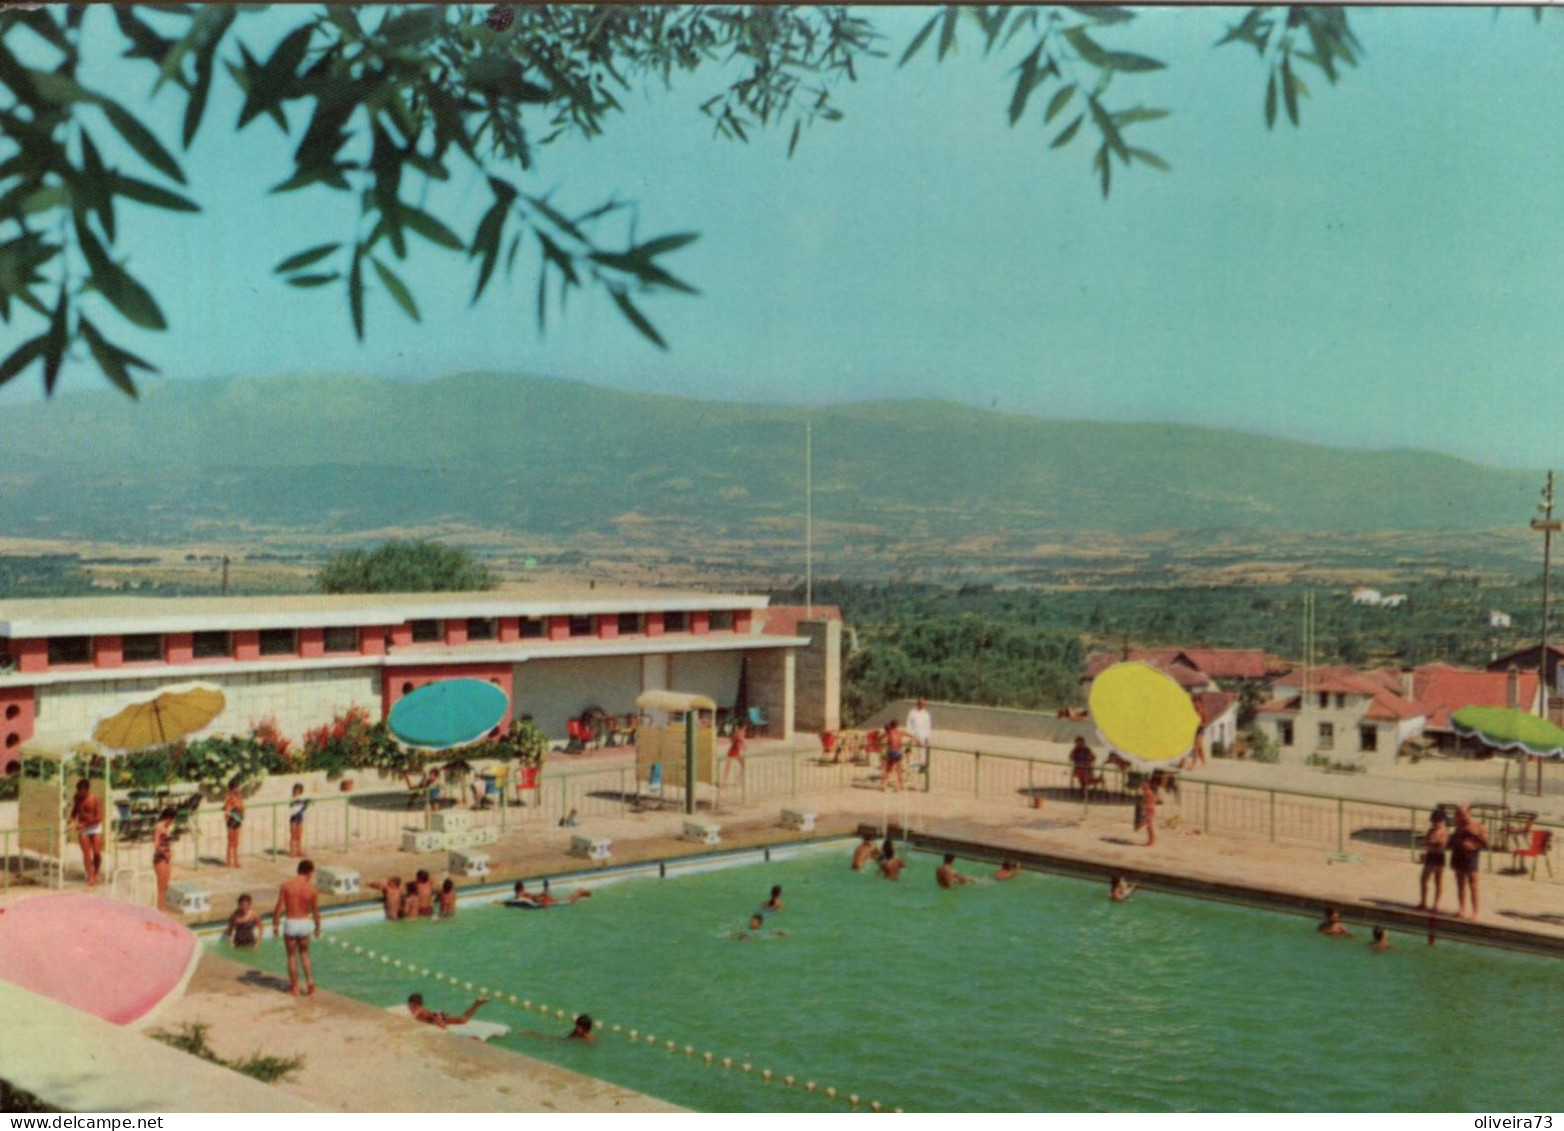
point(452, 712)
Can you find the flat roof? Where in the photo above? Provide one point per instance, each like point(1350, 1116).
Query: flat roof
point(110, 616)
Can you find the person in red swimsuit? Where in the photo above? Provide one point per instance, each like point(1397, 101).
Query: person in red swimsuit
point(163, 855)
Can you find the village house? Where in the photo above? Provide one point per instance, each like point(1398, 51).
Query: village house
point(1340, 715)
point(1202, 672)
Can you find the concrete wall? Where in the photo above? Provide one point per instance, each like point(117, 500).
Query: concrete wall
point(713, 674)
point(297, 700)
point(771, 688)
point(555, 691)
point(1002, 722)
point(818, 677)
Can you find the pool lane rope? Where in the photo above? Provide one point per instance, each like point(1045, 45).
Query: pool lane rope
point(635, 1036)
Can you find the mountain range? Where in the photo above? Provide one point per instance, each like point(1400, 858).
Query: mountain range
point(263, 459)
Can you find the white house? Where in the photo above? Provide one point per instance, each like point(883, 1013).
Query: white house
point(1498, 619)
point(1363, 595)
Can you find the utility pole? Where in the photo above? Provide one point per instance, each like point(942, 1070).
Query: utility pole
point(225, 575)
point(1548, 526)
point(809, 520)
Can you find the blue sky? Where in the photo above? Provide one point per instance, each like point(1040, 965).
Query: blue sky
point(1385, 276)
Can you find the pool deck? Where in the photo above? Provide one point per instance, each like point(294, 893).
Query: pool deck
point(358, 1058)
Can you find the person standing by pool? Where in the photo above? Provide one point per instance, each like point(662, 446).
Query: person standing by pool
point(87, 817)
point(895, 757)
point(947, 876)
point(163, 855)
point(296, 807)
point(1434, 842)
point(1468, 839)
point(233, 821)
point(297, 910)
point(864, 853)
point(920, 724)
point(735, 759)
point(1082, 764)
point(244, 925)
point(1146, 811)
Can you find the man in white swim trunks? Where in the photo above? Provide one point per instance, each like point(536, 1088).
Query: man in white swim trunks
point(87, 816)
point(300, 902)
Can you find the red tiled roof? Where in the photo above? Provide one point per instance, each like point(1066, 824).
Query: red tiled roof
point(1212, 705)
point(1382, 687)
point(1389, 705)
point(1445, 689)
point(782, 620)
point(1279, 706)
point(1228, 663)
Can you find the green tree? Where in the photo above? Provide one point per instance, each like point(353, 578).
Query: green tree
point(389, 103)
point(404, 567)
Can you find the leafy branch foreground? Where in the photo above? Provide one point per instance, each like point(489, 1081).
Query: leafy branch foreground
point(191, 1038)
point(388, 104)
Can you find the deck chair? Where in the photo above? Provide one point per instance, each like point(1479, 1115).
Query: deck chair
point(759, 718)
point(581, 735)
point(1541, 841)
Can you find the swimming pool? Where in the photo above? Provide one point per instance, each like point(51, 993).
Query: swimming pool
point(1032, 995)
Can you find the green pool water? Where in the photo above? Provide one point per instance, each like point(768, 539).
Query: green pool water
point(1037, 994)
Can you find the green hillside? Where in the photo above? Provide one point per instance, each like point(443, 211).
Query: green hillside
point(328, 454)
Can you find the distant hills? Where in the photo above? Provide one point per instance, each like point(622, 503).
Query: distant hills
point(256, 459)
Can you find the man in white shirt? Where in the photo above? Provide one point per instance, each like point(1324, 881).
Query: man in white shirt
point(921, 727)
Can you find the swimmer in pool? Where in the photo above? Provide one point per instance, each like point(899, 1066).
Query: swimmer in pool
point(244, 928)
point(583, 1029)
point(864, 853)
point(775, 902)
point(1009, 870)
point(756, 922)
point(947, 876)
point(448, 898)
point(1381, 942)
point(1333, 926)
point(891, 865)
point(394, 896)
point(415, 1006)
point(1121, 889)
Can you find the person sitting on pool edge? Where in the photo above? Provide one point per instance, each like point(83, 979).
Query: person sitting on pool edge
point(947, 876)
point(1333, 926)
point(583, 1029)
point(415, 1007)
point(544, 898)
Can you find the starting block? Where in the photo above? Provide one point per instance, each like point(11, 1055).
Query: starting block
point(469, 863)
point(702, 832)
point(598, 849)
point(417, 840)
point(450, 821)
point(337, 881)
point(798, 820)
point(189, 899)
point(487, 834)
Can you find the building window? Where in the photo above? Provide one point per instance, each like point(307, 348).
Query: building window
point(480, 628)
point(1284, 732)
point(426, 632)
point(582, 626)
point(1341, 702)
point(631, 624)
point(211, 646)
point(1368, 738)
point(279, 642)
point(721, 620)
point(142, 648)
point(532, 628)
point(675, 622)
point(340, 638)
point(70, 650)
point(1324, 699)
point(1327, 736)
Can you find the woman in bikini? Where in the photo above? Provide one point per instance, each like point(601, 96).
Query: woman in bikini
point(1434, 842)
point(163, 855)
point(735, 754)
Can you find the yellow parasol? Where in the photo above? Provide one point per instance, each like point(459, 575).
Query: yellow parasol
point(166, 715)
point(1143, 714)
